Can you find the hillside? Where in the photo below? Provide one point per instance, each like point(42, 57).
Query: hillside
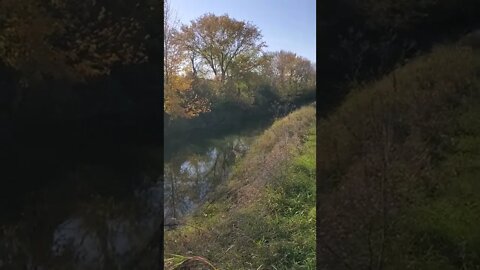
point(399, 169)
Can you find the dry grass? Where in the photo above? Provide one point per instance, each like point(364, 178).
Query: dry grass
point(178, 262)
point(273, 149)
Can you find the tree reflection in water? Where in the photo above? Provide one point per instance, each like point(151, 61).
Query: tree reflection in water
point(189, 180)
point(76, 226)
point(101, 232)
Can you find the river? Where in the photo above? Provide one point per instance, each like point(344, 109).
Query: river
point(110, 217)
point(191, 174)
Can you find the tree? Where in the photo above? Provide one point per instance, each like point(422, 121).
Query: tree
point(291, 74)
point(221, 42)
point(169, 51)
point(52, 46)
point(181, 99)
point(73, 39)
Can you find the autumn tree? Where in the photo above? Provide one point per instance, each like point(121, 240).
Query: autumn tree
point(169, 25)
point(222, 43)
point(73, 39)
point(290, 74)
point(171, 82)
point(181, 100)
point(52, 46)
point(222, 59)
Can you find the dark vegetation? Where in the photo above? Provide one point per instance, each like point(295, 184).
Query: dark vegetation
point(398, 169)
point(80, 112)
point(398, 144)
point(75, 87)
point(364, 40)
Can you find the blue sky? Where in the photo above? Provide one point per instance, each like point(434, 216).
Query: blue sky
point(285, 24)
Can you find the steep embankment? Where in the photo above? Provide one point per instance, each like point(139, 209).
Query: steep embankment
point(399, 169)
point(264, 217)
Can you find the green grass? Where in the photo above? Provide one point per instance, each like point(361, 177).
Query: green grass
point(264, 218)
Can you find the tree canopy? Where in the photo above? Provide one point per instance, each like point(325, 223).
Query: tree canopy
point(73, 39)
point(216, 59)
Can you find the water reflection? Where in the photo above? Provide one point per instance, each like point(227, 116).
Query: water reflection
point(105, 213)
point(110, 235)
point(189, 178)
point(96, 233)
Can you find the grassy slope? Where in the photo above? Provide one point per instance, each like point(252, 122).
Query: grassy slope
point(265, 216)
point(399, 165)
point(446, 227)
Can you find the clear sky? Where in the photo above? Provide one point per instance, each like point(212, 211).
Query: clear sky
point(285, 24)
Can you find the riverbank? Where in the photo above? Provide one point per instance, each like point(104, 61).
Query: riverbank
point(227, 118)
point(399, 166)
point(264, 216)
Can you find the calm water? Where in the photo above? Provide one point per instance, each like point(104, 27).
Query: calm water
point(103, 210)
point(190, 176)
